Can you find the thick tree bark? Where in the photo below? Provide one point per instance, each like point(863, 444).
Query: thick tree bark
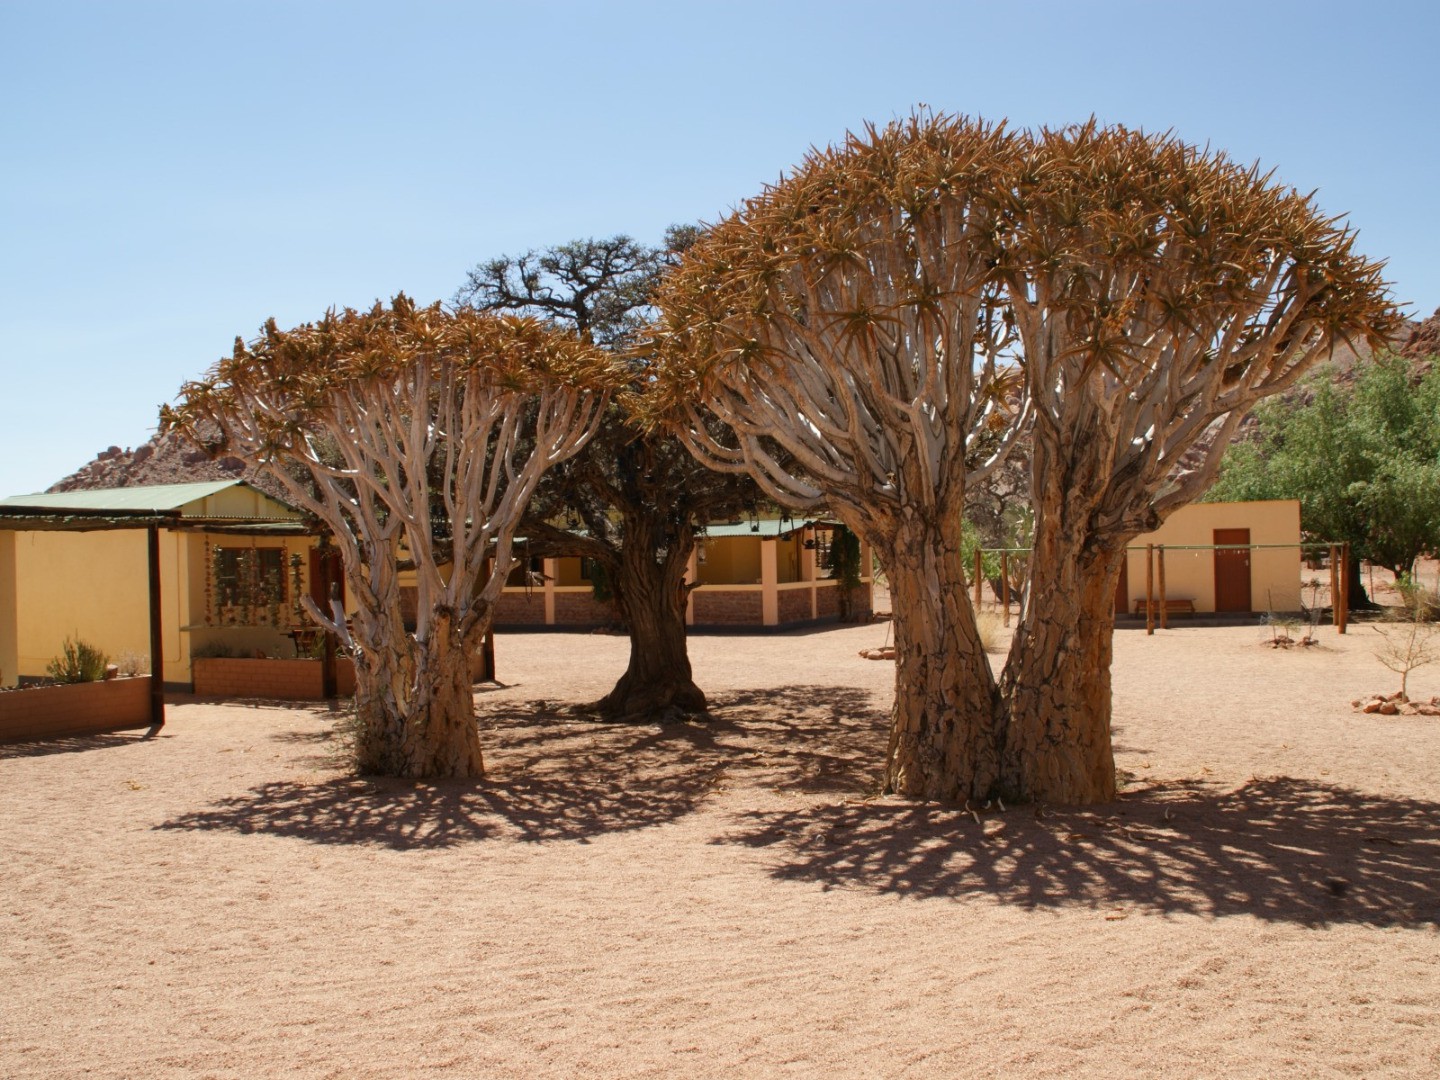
point(650, 594)
point(1055, 691)
point(414, 708)
point(944, 731)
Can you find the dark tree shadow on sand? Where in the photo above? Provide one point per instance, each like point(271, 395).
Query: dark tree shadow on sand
point(1278, 849)
point(76, 744)
point(554, 776)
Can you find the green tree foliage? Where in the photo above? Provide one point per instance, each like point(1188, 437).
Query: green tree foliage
point(845, 567)
point(634, 502)
point(1363, 460)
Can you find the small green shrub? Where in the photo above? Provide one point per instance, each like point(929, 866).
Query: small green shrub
point(78, 662)
point(1421, 603)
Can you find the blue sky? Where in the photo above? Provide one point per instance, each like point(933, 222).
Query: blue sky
point(175, 173)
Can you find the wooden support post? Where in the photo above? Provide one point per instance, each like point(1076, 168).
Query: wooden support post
point(1164, 615)
point(979, 575)
point(325, 566)
point(1005, 585)
point(487, 652)
point(1149, 588)
point(1344, 586)
point(1335, 586)
point(157, 637)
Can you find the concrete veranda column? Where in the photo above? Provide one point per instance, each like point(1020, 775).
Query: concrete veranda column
point(769, 582)
point(550, 568)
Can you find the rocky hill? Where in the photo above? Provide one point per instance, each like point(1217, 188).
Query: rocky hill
point(165, 459)
point(1423, 344)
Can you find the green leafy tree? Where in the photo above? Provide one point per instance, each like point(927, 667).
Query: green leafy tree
point(634, 501)
point(1363, 460)
point(846, 568)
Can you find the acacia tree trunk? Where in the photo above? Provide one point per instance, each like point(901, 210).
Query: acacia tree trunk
point(414, 709)
point(944, 731)
point(1356, 596)
point(650, 595)
point(1056, 686)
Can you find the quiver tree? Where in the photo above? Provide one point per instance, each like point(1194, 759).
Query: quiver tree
point(893, 313)
point(416, 436)
point(1159, 292)
point(844, 326)
point(634, 499)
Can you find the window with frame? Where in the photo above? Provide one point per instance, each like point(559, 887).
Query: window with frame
point(248, 586)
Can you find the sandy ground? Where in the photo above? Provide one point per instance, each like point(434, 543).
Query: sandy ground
point(733, 899)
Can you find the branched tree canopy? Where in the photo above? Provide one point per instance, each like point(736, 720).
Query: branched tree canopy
point(850, 316)
point(899, 312)
point(413, 433)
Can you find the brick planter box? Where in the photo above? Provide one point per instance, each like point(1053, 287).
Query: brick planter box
point(46, 712)
point(283, 680)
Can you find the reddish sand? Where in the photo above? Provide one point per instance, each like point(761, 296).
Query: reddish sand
point(732, 899)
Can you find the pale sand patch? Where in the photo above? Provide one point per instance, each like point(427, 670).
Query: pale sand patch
point(729, 899)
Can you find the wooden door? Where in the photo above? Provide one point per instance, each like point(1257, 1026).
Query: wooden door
point(1232, 571)
point(1122, 587)
point(325, 567)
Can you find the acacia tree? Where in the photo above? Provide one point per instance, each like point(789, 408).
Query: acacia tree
point(848, 316)
point(1158, 291)
point(414, 434)
point(633, 500)
point(1364, 462)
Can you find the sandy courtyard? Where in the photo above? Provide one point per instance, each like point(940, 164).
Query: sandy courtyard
point(732, 899)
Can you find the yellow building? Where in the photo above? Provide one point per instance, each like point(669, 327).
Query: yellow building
point(1221, 557)
point(233, 564)
point(765, 573)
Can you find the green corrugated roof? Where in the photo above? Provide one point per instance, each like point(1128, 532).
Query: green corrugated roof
point(769, 527)
point(151, 498)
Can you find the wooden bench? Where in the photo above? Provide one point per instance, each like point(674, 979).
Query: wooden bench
point(1173, 606)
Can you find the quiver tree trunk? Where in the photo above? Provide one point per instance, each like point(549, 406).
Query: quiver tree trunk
point(1056, 687)
point(1055, 691)
point(414, 709)
point(650, 594)
point(944, 732)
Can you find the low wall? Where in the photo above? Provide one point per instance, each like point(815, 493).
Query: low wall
point(717, 606)
point(520, 608)
point(582, 609)
point(44, 712)
point(284, 680)
point(794, 605)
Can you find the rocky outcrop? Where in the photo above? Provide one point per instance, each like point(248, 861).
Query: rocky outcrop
point(165, 459)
